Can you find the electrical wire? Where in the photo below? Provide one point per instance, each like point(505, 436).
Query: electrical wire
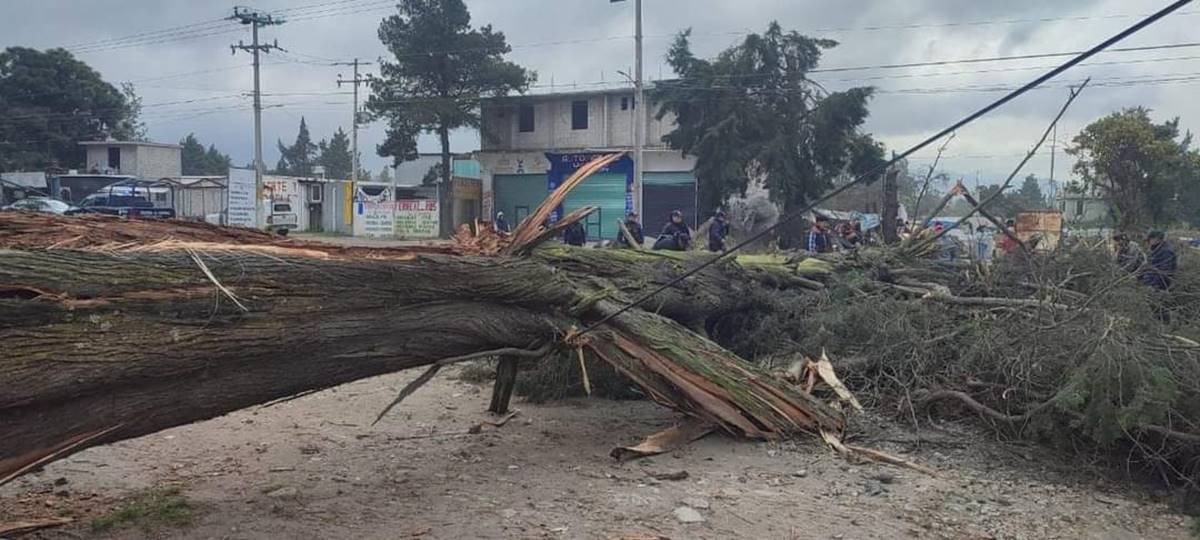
point(870, 176)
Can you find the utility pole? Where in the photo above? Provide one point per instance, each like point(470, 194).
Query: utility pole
point(256, 20)
point(639, 114)
point(1053, 151)
point(891, 204)
point(639, 132)
point(354, 125)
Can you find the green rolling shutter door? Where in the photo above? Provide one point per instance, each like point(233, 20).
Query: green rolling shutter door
point(667, 191)
point(605, 191)
point(517, 195)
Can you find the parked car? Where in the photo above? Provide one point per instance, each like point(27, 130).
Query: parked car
point(282, 219)
point(132, 198)
point(43, 204)
point(130, 206)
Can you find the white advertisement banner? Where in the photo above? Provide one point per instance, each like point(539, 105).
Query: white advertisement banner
point(374, 219)
point(416, 219)
point(241, 208)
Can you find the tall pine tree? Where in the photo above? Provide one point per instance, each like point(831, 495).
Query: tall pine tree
point(752, 114)
point(197, 161)
point(335, 156)
point(442, 68)
point(299, 158)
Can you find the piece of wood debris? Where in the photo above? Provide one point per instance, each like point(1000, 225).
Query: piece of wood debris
point(19, 527)
point(664, 441)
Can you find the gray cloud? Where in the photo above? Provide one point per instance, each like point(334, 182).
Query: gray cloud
point(573, 43)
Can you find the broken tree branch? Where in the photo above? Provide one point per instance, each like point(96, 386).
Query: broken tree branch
point(437, 366)
point(979, 207)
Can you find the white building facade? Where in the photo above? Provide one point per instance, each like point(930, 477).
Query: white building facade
point(530, 142)
point(151, 161)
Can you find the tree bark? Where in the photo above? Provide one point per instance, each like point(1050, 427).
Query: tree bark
point(104, 346)
point(506, 380)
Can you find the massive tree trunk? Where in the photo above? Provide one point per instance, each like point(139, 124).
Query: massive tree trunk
point(107, 345)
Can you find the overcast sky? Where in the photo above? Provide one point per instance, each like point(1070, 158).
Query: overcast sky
point(190, 82)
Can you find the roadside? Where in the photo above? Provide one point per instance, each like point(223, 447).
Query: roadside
point(313, 467)
point(356, 241)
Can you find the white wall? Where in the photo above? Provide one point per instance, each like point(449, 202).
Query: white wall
point(154, 162)
point(608, 125)
point(148, 162)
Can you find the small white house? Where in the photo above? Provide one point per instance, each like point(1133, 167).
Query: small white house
point(148, 160)
point(1083, 208)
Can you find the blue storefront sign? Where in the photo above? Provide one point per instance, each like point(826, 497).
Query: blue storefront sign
point(562, 166)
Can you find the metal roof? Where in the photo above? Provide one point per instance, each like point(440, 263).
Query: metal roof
point(129, 143)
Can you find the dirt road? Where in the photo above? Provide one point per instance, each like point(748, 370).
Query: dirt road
point(314, 468)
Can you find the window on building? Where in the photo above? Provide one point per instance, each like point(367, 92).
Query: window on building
point(579, 114)
point(1062, 206)
point(160, 196)
point(1079, 207)
point(114, 158)
point(525, 119)
point(624, 104)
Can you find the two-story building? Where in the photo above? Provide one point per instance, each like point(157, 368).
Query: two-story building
point(531, 142)
point(147, 160)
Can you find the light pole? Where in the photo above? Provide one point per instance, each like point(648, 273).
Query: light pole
point(639, 118)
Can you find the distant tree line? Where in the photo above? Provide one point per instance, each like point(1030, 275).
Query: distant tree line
point(300, 158)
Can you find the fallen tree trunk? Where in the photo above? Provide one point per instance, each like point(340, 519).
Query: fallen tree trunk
point(103, 346)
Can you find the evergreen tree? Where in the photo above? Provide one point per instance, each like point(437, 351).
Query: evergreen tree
point(442, 67)
point(192, 156)
point(752, 114)
point(1031, 195)
point(299, 158)
point(217, 162)
point(196, 161)
point(335, 156)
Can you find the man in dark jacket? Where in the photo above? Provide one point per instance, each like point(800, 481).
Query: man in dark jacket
point(717, 231)
point(675, 235)
point(635, 230)
point(575, 234)
point(501, 224)
point(818, 237)
point(1129, 255)
point(1160, 272)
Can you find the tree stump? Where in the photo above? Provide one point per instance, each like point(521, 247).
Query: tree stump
point(506, 379)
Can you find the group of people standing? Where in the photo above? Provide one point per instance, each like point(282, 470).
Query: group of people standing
point(823, 238)
point(1156, 269)
point(675, 236)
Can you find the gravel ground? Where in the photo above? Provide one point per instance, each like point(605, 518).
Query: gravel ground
point(315, 468)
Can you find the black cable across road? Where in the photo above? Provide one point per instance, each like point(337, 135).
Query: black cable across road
point(869, 176)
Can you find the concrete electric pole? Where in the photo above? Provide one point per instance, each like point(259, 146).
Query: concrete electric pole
point(639, 132)
point(639, 114)
point(354, 125)
point(256, 20)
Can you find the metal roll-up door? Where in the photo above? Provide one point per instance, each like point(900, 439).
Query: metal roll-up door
point(665, 192)
point(605, 191)
point(517, 195)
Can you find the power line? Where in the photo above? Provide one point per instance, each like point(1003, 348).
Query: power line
point(157, 40)
point(1003, 58)
point(208, 24)
point(897, 158)
point(187, 74)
